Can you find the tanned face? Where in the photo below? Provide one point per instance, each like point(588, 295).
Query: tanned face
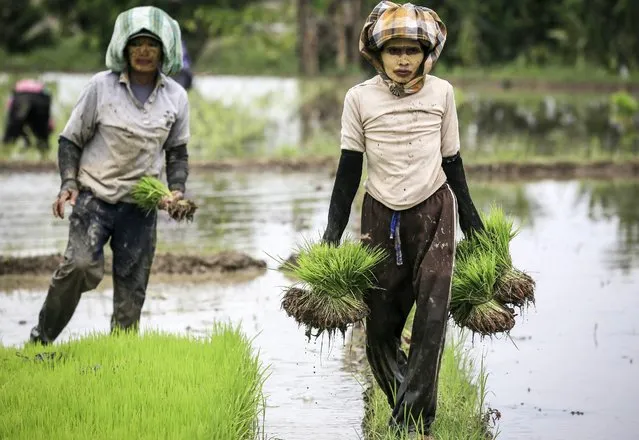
point(145, 54)
point(402, 59)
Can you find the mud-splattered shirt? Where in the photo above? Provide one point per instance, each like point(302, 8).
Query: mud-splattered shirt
point(121, 138)
point(404, 139)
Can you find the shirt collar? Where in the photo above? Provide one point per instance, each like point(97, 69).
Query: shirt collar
point(124, 79)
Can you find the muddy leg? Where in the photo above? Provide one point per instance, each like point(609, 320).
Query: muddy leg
point(81, 270)
point(389, 306)
point(133, 246)
point(417, 396)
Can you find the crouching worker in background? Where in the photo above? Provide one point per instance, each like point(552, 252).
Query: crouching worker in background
point(29, 107)
point(128, 122)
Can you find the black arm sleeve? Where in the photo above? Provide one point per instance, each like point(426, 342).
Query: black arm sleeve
point(68, 163)
point(349, 173)
point(177, 168)
point(469, 218)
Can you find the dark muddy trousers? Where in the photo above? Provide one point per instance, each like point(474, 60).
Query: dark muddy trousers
point(31, 110)
point(132, 235)
point(426, 252)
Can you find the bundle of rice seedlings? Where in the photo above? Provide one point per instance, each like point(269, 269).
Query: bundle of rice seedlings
point(472, 304)
point(513, 286)
point(333, 282)
point(496, 237)
point(149, 191)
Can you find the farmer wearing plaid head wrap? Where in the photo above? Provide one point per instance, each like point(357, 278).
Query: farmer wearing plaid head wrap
point(405, 121)
point(128, 122)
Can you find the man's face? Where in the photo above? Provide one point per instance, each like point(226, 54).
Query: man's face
point(145, 54)
point(402, 59)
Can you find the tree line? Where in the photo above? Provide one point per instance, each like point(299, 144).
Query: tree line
point(576, 33)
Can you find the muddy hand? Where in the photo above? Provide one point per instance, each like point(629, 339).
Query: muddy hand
point(69, 195)
point(174, 197)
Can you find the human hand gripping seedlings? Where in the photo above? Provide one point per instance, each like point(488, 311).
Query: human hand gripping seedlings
point(169, 199)
point(150, 193)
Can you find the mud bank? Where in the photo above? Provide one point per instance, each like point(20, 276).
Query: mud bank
point(223, 263)
point(562, 170)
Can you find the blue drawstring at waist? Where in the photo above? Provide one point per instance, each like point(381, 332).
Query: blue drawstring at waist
point(394, 234)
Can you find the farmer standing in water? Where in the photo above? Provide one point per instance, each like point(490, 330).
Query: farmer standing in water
point(405, 122)
point(127, 123)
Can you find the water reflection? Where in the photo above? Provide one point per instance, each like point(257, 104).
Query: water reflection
point(616, 202)
point(514, 199)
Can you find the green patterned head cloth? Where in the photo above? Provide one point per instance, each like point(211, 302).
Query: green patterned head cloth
point(146, 19)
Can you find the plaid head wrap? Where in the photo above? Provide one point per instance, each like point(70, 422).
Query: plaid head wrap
point(389, 20)
point(145, 19)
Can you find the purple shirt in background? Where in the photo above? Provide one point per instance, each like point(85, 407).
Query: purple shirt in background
point(186, 60)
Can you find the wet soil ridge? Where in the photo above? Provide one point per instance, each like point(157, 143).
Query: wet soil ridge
point(558, 170)
point(604, 169)
point(173, 264)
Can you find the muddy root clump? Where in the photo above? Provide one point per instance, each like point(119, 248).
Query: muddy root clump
point(515, 287)
point(488, 319)
point(180, 210)
point(322, 312)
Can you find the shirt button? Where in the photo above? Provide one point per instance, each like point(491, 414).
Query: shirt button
point(144, 111)
point(146, 122)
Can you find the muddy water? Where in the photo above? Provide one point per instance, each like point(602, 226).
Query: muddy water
point(572, 374)
point(572, 371)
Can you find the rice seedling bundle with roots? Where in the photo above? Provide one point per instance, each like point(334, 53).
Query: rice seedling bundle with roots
point(148, 193)
point(486, 286)
point(329, 295)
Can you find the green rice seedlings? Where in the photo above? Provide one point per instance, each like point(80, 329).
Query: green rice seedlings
point(496, 237)
point(512, 287)
point(152, 385)
point(148, 192)
point(332, 283)
point(472, 304)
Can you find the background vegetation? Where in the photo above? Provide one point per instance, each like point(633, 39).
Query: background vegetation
point(289, 37)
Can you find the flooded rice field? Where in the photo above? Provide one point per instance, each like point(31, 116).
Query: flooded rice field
point(571, 370)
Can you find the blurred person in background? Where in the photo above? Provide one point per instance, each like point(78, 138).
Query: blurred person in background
point(29, 107)
point(185, 76)
point(128, 122)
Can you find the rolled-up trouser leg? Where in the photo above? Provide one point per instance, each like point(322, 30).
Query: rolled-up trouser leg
point(389, 305)
point(432, 225)
point(81, 270)
point(133, 246)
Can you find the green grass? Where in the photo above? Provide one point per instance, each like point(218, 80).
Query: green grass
point(461, 411)
point(551, 74)
point(136, 387)
point(220, 131)
point(72, 54)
